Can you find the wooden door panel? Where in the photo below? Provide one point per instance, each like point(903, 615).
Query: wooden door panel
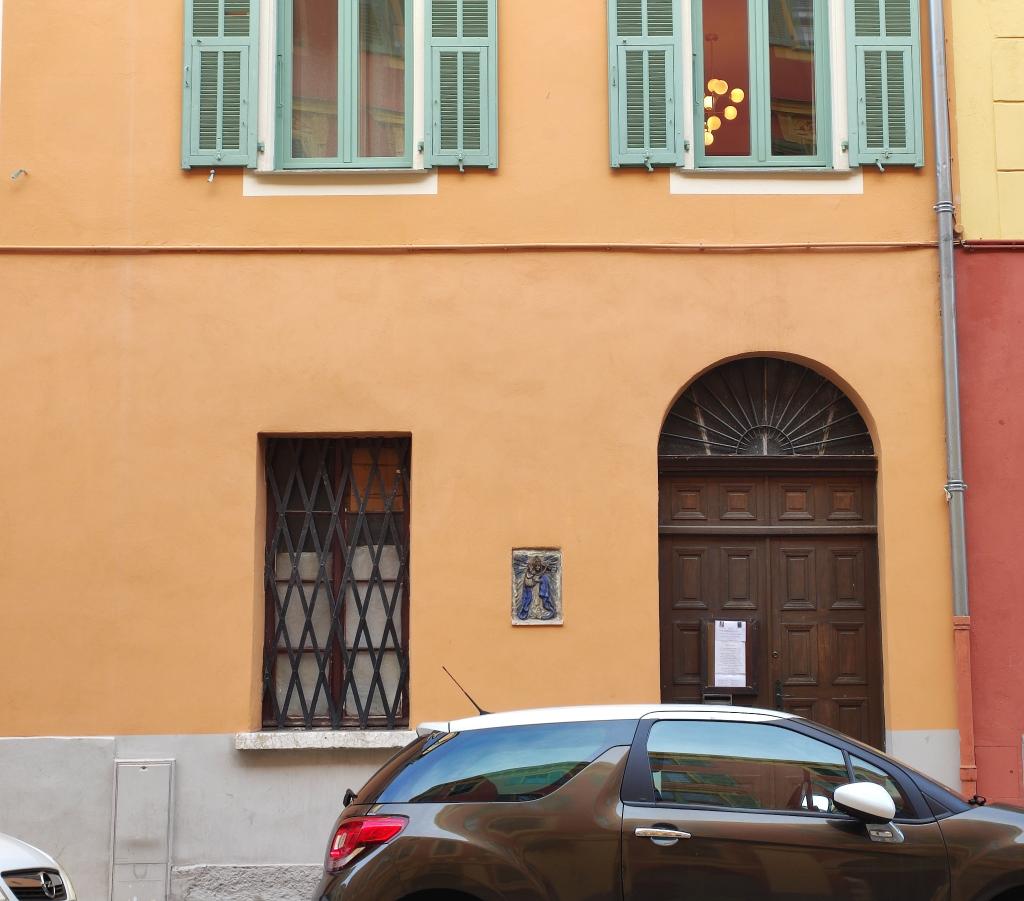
point(793, 502)
point(715, 500)
point(704, 580)
point(808, 708)
point(795, 572)
point(844, 501)
point(686, 654)
point(740, 502)
point(852, 717)
point(822, 501)
point(846, 585)
point(799, 656)
point(828, 637)
point(766, 549)
point(688, 502)
point(848, 653)
point(693, 581)
point(742, 577)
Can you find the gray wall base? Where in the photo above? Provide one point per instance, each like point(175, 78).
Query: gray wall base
point(58, 795)
point(233, 811)
point(935, 752)
point(221, 883)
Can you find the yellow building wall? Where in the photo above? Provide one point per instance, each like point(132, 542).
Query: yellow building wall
point(988, 58)
point(534, 385)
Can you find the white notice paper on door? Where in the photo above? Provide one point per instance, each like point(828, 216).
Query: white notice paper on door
point(730, 654)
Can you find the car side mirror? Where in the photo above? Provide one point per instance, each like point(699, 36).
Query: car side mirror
point(866, 801)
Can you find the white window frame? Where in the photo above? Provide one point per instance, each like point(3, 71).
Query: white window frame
point(335, 181)
point(839, 178)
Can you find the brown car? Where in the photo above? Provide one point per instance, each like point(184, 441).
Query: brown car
point(662, 802)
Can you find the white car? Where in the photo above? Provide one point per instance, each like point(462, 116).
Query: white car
point(28, 874)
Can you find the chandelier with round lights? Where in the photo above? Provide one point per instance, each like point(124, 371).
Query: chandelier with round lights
point(718, 90)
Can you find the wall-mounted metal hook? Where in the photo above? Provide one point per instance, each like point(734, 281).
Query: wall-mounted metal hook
point(881, 168)
point(17, 173)
point(647, 162)
point(213, 175)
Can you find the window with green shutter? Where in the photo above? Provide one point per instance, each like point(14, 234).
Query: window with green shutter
point(345, 84)
point(462, 83)
point(884, 60)
point(644, 83)
point(762, 96)
point(220, 84)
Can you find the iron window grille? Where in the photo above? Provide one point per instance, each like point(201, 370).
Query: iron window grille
point(336, 580)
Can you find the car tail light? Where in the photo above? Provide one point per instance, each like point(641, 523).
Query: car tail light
point(357, 834)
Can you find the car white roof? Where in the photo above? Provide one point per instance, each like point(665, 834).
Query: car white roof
point(544, 715)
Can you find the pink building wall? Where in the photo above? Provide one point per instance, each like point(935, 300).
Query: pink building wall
point(991, 321)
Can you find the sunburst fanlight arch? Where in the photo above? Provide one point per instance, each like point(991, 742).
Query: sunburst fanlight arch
point(764, 407)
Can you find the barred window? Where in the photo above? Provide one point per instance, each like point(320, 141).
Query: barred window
point(336, 582)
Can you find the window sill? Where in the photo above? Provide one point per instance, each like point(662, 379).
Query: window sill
point(278, 173)
point(777, 170)
point(338, 182)
point(769, 182)
point(323, 740)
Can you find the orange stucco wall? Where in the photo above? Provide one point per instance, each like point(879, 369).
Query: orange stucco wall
point(91, 107)
point(533, 384)
point(534, 387)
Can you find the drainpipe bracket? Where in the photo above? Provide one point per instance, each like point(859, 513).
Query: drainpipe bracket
point(945, 206)
point(954, 485)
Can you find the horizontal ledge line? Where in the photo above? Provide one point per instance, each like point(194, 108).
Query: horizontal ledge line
point(753, 531)
point(156, 249)
point(830, 466)
point(819, 172)
point(335, 173)
point(988, 246)
point(324, 739)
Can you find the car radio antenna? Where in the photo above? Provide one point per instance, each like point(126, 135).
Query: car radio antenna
point(479, 709)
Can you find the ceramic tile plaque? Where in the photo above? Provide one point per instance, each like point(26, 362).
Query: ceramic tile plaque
point(536, 587)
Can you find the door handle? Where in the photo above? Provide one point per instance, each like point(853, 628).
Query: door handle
point(661, 834)
point(779, 703)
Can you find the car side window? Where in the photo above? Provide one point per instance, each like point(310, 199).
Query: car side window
point(747, 766)
point(507, 764)
point(867, 772)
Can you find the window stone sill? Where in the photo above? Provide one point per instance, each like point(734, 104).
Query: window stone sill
point(323, 740)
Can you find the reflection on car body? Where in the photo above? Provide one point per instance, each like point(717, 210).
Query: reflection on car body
point(635, 803)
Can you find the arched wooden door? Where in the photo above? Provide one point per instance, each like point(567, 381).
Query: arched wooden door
point(768, 533)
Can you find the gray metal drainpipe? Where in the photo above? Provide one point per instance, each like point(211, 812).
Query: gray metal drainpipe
point(955, 487)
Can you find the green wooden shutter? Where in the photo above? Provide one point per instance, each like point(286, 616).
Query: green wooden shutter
point(462, 86)
point(884, 63)
point(220, 88)
point(644, 83)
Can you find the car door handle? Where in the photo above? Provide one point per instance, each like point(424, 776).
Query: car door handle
point(661, 833)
